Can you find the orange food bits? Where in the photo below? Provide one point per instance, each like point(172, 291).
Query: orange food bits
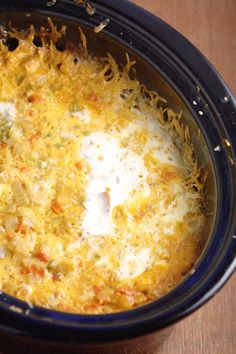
point(57, 208)
point(34, 270)
point(168, 175)
point(22, 228)
point(35, 99)
point(23, 169)
point(10, 236)
point(19, 226)
point(35, 136)
point(93, 97)
point(79, 165)
point(25, 229)
point(40, 272)
point(25, 270)
point(126, 291)
point(42, 256)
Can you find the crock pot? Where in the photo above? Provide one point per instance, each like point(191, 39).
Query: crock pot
point(169, 64)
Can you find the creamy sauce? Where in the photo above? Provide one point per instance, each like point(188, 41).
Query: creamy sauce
point(133, 262)
point(8, 111)
point(114, 173)
point(97, 209)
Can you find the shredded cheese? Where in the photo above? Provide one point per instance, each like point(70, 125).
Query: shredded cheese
point(100, 209)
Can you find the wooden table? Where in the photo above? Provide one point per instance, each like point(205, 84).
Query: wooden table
point(211, 26)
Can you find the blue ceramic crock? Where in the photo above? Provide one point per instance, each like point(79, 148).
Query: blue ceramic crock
point(184, 72)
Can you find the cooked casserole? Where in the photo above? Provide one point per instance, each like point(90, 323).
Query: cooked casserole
point(101, 205)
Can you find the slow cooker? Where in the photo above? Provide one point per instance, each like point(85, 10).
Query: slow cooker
point(171, 65)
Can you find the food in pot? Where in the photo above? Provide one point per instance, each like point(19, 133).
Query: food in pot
point(101, 205)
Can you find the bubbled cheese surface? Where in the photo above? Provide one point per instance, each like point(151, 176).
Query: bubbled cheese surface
point(96, 214)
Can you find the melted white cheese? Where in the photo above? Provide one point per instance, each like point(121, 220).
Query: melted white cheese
point(158, 140)
point(133, 263)
point(176, 210)
point(113, 170)
point(114, 173)
point(8, 111)
point(2, 252)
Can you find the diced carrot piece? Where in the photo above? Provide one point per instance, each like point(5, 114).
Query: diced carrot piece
point(40, 272)
point(127, 291)
point(25, 270)
point(42, 256)
point(35, 136)
point(93, 97)
point(10, 235)
point(35, 99)
point(57, 208)
point(78, 165)
point(19, 226)
point(94, 305)
point(23, 228)
point(23, 169)
point(34, 270)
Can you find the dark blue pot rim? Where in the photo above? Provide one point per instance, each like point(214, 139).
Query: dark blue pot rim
point(202, 84)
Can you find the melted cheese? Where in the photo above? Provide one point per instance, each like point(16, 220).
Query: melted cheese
point(7, 111)
point(114, 173)
point(133, 263)
point(97, 214)
point(83, 115)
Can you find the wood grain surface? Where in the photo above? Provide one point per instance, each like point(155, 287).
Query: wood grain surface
point(211, 26)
